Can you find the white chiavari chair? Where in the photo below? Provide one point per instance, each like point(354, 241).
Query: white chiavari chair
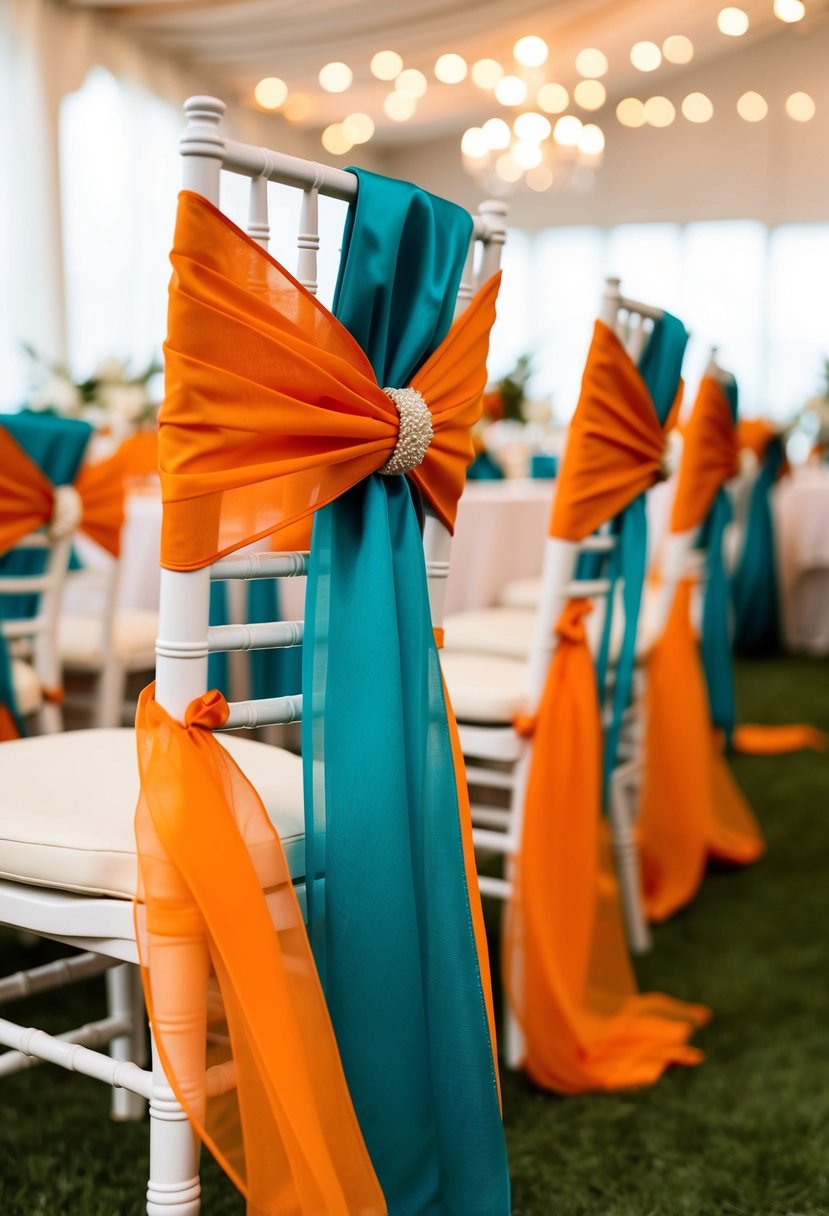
point(67, 850)
point(501, 680)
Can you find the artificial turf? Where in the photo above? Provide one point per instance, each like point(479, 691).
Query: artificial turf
point(745, 1134)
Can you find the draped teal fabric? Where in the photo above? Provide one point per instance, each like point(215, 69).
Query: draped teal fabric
point(273, 673)
point(716, 624)
point(754, 588)
point(395, 945)
point(57, 447)
point(484, 468)
point(661, 367)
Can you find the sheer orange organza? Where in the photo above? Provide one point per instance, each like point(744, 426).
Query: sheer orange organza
point(103, 485)
point(566, 964)
point(567, 967)
point(692, 808)
point(709, 456)
point(271, 411)
point(271, 408)
point(268, 1094)
point(615, 445)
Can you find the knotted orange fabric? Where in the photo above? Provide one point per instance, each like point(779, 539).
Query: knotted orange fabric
point(215, 892)
point(566, 964)
point(272, 410)
point(567, 967)
point(692, 808)
point(244, 454)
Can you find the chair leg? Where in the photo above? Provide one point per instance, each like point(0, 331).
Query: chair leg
point(627, 858)
point(50, 718)
point(125, 997)
point(111, 687)
point(173, 1188)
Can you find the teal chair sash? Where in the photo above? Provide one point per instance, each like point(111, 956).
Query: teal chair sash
point(661, 368)
point(754, 587)
point(716, 625)
point(395, 945)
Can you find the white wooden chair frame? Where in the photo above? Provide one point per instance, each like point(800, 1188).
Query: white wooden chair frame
point(103, 927)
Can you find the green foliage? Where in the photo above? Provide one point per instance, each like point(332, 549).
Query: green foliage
point(745, 1134)
point(513, 388)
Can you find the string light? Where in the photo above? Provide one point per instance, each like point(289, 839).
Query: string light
point(335, 78)
point(567, 131)
point(590, 94)
point(270, 93)
point(732, 21)
point(532, 127)
point(511, 91)
point(527, 154)
point(678, 49)
point(496, 133)
point(553, 98)
point(800, 107)
point(540, 178)
point(646, 56)
point(591, 63)
point(591, 140)
point(697, 107)
point(631, 112)
point(789, 10)
point(411, 83)
point(386, 65)
point(752, 107)
point(486, 73)
point(358, 128)
point(531, 51)
point(474, 143)
point(451, 69)
point(335, 140)
point(399, 107)
point(659, 111)
point(508, 168)
point(298, 107)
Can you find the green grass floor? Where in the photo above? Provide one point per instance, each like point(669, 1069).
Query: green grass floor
point(746, 1134)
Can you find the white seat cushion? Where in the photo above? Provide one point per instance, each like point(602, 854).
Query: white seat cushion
point(485, 688)
point(521, 593)
point(81, 642)
point(68, 803)
point(27, 690)
point(507, 632)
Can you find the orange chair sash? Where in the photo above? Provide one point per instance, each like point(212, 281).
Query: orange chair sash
point(692, 808)
point(102, 487)
point(615, 444)
point(709, 457)
point(272, 409)
point(27, 497)
point(567, 969)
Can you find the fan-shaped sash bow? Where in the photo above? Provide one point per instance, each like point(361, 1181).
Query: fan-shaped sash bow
point(566, 962)
point(272, 411)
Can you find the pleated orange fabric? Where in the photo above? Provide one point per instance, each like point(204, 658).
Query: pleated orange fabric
point(243, 456)
point(709, 456)
point(566, 966)
point(268, 1096)
point(103, 486)
point(272, 410)
point(26, 495)
point(615, 445)
point(566, 963)
point(691, 808)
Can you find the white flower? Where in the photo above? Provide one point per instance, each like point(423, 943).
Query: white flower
point(123, 402)
point(111, 371)
point(58, 394)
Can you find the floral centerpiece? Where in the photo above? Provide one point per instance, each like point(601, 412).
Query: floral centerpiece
point(112, 400)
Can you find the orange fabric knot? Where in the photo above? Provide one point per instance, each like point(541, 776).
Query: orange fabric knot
point(570, 625)
point(525, 724)
point(210, 711)
point(53, 695)
point(439, 637)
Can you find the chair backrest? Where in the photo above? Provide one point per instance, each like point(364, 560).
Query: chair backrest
point(632, 322)
point(185, 636)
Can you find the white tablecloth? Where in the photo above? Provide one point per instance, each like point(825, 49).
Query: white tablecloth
point(801, 513)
